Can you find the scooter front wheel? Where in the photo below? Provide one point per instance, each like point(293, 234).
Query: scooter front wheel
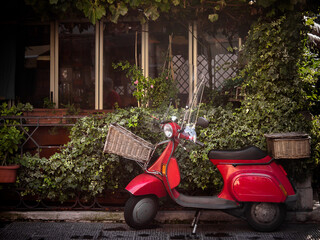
point(139, 211)
point(265, 217)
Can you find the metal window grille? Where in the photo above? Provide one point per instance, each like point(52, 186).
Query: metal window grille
point(223, 68)
point(181, 72)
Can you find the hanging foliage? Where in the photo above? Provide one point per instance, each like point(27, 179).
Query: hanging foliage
point(151, 10)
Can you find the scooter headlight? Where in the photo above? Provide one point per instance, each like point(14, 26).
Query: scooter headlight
point(168, 131)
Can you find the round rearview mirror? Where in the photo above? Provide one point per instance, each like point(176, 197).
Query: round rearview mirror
point(202, 122)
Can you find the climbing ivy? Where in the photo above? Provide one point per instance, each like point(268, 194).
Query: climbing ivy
point(279, 77)
point(279, 72)
point(81, 167)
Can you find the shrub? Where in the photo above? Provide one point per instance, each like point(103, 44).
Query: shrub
point(278, 77)
point(81, 167)
point(10, 135)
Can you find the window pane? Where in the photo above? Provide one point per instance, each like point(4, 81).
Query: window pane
point(159, 53)
point(217, 61)
point(119, 43)
point(33, 85)
point(77, 65)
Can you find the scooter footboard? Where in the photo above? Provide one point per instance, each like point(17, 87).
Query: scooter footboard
point(146, 184)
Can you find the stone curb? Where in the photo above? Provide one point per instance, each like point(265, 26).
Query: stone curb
point(112, 216)
point(162, 216)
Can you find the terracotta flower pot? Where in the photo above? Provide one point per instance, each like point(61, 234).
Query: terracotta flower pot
point(8, 174)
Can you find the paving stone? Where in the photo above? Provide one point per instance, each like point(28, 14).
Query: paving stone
point(100, 231)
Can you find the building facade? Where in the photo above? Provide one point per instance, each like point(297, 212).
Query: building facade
point(70, 61)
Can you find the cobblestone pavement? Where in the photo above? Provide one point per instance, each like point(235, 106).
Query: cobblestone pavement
point(89, 230)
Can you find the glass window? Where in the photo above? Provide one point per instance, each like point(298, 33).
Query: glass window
point(159, 53)
point(217, 59)
point(77, 65)
point(33, 83)
point(121, 42)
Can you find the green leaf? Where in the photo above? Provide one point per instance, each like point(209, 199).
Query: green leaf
point(222, 3)
point(151, 12)
point(122, 9)
point(176, 2)
point(213, 17)
point(100, 12)
point(53, 1)
point(309, 21)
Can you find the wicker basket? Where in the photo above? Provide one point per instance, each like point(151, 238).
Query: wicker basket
point(288, 145)
point(122, 142)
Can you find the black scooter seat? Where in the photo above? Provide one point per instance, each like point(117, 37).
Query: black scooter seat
point(249, 153)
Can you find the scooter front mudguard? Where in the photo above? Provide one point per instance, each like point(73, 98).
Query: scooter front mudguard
point(146, 184)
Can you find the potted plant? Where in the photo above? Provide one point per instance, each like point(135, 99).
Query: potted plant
point(10, 138)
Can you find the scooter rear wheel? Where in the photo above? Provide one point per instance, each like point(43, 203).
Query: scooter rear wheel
point(265, 217)
point(139, 211)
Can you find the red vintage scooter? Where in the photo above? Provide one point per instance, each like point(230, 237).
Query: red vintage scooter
point(256, 188)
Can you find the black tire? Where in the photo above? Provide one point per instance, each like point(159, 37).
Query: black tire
point(265, 217)
point(139, 211)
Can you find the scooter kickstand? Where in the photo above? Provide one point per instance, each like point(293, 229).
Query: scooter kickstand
point(195, 222)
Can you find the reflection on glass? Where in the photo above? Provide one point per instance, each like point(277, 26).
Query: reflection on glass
point(217, 57)
point(33, 83)
point(121, 42)
point(159, 33)
point(77, 65)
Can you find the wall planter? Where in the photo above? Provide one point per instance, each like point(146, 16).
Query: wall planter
point(50, 128)
point(48, 136)
point(8, 174)
point(46, 116)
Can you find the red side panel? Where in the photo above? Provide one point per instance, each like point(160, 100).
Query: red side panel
point(257, 188)
point(145, 184)
point(255, 183)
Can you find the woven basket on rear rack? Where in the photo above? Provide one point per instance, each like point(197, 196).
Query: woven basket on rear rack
point(288, 145)
point(122, 142)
